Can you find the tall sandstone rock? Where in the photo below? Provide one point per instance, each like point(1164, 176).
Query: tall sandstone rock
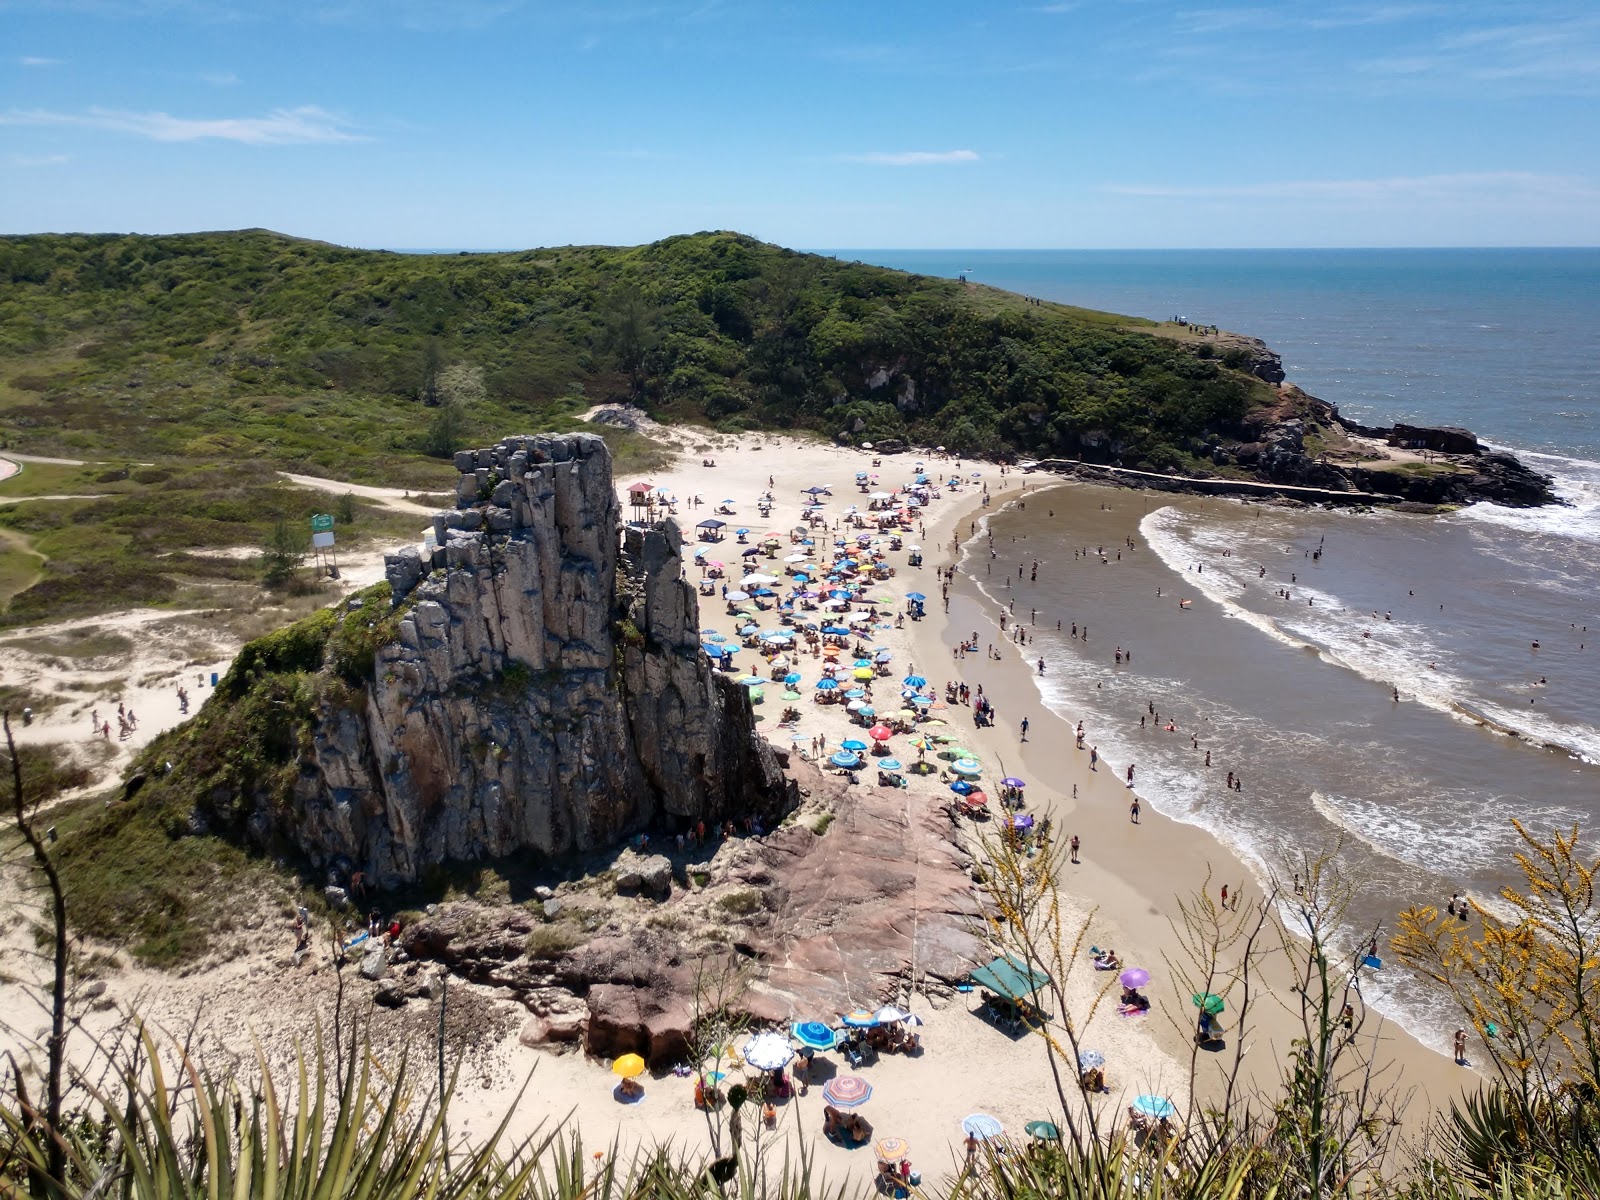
point(546, 692)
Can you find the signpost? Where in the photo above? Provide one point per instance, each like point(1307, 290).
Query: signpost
point(322, 540)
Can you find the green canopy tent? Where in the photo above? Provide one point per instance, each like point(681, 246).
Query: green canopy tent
point(1013, 981)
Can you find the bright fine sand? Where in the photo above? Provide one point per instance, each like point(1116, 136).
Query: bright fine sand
point(1127, 884)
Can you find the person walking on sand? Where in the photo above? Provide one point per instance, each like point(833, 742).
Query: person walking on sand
point(1130, 774)
point(1094, 758)
point(1073, 846)
point(1224, 897)
point(1133, 810)
point(1024, 728)
point(1461, 1047)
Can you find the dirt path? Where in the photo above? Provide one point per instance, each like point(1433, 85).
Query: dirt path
point(398, 499)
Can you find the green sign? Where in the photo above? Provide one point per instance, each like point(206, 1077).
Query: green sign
point(322, 523)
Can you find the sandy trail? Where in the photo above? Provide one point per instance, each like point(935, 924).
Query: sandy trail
point(397, 499)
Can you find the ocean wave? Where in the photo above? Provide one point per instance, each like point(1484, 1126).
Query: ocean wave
point(1401, 655)
point(1577, 482)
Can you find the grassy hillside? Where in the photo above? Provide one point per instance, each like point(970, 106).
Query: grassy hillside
point(190, 369)
point(348, 362)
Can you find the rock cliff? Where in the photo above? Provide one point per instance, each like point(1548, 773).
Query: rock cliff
point(534, 686)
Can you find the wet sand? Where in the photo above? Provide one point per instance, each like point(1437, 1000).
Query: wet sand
point(1133, 873)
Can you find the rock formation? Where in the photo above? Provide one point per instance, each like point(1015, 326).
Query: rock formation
point(819, 923)
point(545, 690)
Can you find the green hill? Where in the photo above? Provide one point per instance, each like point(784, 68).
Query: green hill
point(335, 361)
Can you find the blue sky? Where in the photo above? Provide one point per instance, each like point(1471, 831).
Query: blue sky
point(1097, 123)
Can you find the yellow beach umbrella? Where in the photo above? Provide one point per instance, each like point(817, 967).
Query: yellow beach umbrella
point(863, 672)
point(628, 1066)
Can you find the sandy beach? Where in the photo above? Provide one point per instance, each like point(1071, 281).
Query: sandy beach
point(1127, 883)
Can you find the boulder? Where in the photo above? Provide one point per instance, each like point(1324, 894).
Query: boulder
point(651, 874)
point(375, 961)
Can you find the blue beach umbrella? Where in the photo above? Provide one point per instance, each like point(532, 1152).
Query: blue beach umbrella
point(861, 662)
point(922, 701)
point(855, 744)
point(889, 764)
point(815, 1035)
point(843, 758)
point(982, 1126)
point(917, 596)
point(713, 650)
point(859, 1018)
point(1155, 1106)
point(916, 682)
point(827, 685)
point(792, 678)
point(961, 787)
point(752, 681)
point(855, 694)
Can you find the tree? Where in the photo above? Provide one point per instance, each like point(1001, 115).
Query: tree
point(1529, 987)
point(46, 1126)
point(629, 334)
point(285, 548)
point(345, 509)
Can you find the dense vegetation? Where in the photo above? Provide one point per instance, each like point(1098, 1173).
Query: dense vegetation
point(353, 363)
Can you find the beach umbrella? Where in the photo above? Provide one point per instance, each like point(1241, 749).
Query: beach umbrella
point(628, 1066)
point(768, 1051)
point(921, 701)
point(1208, 1003)
point(889, 1014)
point(845, 759)
point(1012, 781)
point(905, 714)
point(889, 764)
point(961, 787)
point(752, 681)
point(861, 662)
point(792, 678)
point(856, 706)
point(893, 1149)
point(859, 1018)
point(847, 1091)
point(798, 738)
point(880, 733)
point(883, 656)
point(855, 693)
point(1088, 1060)
point(789, 694)
point(977, 797)
point(1045, 1131)
point(837, 630)
point(757, 578)
point(736, 597)
point(713, 650)
point(915, 682)
point(966, 766)
point(1022, 821)
point(982, 1126)
point(827, 685)
point(751, 552)
point(1155, 1106)
point(814, 1034)
point(858, 618)
point(855, 744)
point(740, 532)
point(1135, 977)
point(866, 710)
point(917, 596)
point(794, 558)
point(862, 673)
point(747, 630)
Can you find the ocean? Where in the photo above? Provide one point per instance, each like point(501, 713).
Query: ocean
point(1305, 625)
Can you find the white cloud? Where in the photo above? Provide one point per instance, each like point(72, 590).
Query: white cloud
point(913, 158)
point(34, 60)
point(38, 160)
point(219, 78)
point(306, 125)
point(1482, 187)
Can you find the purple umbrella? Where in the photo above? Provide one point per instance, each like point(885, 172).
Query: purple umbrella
point(1012, 781)
point(1135, 977)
